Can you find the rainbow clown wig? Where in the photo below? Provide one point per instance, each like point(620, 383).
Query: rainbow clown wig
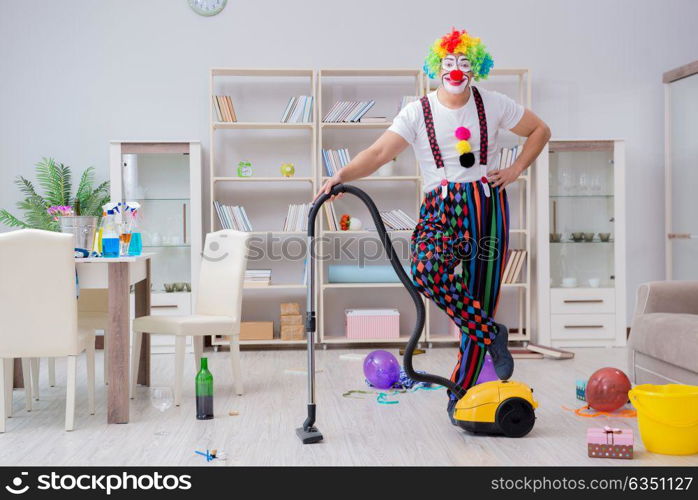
point(463, 43)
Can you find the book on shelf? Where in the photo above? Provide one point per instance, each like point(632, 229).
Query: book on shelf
point(298, 110)
point(232, 217)
point(396, 220)
point(374, 119)
point(347, 111)
point(523, 353)
point(550, 351)
point(334, 159)
point(406, 100)
point(297, 217)
point(332, 224)
point(514, 265)
point(507, 157)
point(257, 277)
point(223, 106)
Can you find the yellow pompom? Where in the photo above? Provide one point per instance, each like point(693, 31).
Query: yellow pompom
point(463, 147)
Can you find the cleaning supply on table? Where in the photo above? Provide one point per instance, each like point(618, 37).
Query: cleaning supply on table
point(204, 392)
point(133, 212)
point(110, 232)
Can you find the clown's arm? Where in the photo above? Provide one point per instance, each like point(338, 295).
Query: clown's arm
point(388, 146)
point(537, 134)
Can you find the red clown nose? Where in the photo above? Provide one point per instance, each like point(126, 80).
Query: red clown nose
point(456, 75)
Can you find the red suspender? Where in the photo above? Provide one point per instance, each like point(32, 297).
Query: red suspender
point(482, 118)
point(431, 135)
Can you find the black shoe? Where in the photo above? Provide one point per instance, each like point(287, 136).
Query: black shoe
point(451, 408)
point(499, 350)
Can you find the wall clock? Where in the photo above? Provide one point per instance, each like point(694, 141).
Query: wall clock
point(207, 7)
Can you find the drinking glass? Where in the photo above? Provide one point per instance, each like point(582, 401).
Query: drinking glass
point(124, 238)
point(162, 399)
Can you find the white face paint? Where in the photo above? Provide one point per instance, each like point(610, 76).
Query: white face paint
point(450, 63)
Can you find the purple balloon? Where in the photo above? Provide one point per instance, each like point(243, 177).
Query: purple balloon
point(487, 374)
point(381, 369)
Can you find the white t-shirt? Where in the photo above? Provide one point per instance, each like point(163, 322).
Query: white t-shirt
point(502, 113)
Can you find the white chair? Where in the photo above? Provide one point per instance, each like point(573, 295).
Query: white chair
point(93, 314)
point(38, 313)
point(217, 309)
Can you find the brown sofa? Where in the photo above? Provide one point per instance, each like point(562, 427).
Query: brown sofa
point(663, 343)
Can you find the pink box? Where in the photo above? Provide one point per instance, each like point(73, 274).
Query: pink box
point(608, 442)
point(372, 323)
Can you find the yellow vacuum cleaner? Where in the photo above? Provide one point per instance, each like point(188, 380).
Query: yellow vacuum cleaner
point(501, 407)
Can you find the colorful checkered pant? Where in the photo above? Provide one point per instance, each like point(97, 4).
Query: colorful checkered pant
point(471, 229)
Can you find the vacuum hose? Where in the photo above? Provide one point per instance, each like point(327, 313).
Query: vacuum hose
point(406, 281)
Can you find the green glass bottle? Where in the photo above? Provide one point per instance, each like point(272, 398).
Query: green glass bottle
point(204, 392)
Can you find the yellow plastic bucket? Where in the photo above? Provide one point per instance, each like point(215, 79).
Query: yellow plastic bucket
point(667, 416)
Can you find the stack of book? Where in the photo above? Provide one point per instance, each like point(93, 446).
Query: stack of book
point(332, 224)
point(396, 220)
point(257, 277)
point(232, 217)
point(334, 159)
point(507, 157)
point(298, 110)
point(515, 263)
point(223, 105)
point(406, 100)
point(297, 217)
point(348, 111)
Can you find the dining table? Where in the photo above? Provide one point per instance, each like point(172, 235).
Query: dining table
point(121, 276)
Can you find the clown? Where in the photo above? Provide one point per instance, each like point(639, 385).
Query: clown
point(459, 246)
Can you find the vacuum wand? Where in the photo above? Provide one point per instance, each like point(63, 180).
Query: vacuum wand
point(309, 433)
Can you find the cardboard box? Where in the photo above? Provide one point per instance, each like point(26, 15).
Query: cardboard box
point(288, 308)
point(257, 330)
point(292, 332)
point(291, 319)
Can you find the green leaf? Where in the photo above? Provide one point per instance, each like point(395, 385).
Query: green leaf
point(10, 220)
point(55, 180)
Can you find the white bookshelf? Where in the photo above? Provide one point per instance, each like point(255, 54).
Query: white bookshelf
point(401, 190)
point(261, 138)
point(515, 307)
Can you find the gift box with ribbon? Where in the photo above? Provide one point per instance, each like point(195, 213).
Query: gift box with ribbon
point(610, 442)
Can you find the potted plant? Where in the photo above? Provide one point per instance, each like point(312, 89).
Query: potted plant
point(56, 181)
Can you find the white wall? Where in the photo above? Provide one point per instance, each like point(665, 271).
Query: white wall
point(76, 73)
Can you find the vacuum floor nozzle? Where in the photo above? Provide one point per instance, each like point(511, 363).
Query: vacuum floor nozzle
point(309, 436)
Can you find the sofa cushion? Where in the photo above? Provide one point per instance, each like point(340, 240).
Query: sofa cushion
point(672, 338)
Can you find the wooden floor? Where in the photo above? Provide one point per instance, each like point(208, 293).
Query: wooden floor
point(357, 431)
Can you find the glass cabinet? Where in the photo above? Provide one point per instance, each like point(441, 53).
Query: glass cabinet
point(165, 179)
point(581, 236)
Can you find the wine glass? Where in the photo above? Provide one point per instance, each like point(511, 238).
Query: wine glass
point(162, 399)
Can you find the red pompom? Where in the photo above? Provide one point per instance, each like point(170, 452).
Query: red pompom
point(462, 133)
